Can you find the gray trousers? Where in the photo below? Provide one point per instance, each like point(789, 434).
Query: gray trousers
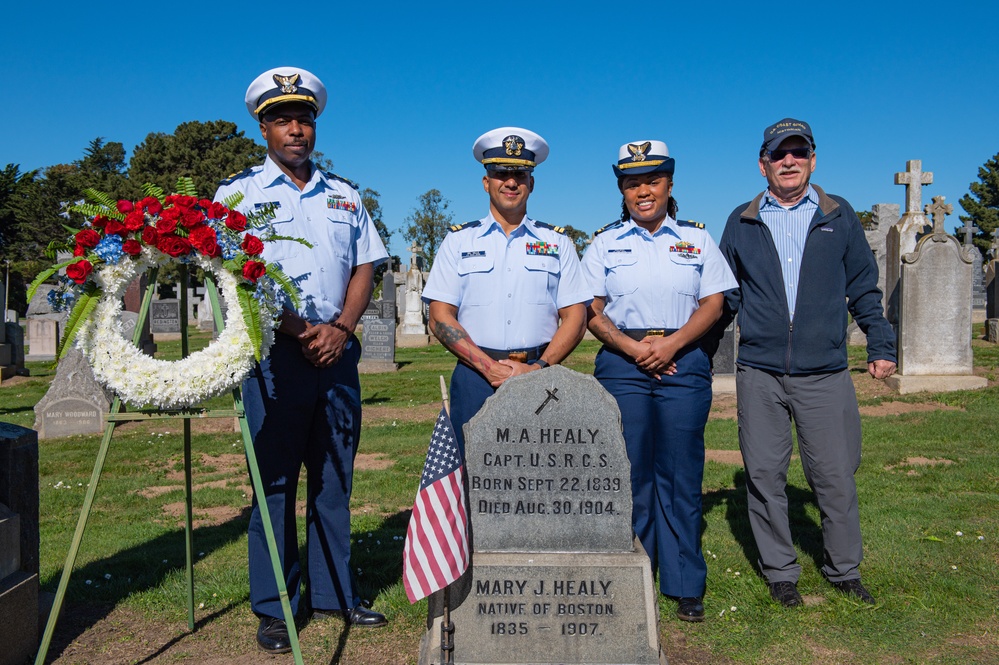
point(824, 410)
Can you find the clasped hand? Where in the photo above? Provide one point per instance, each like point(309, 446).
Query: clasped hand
point(322, 344)
point(655, 356)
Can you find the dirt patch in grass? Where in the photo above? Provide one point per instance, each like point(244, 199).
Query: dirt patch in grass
point(723, 456)
point(679, 650)
point(910, 462)
point(372, 462)
point(900, 408)
point(374, 414)
point(212, 516)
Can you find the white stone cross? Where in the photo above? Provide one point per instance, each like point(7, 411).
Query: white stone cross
point(939, 210)
point(994, 249)
point(913, 178)
point(969, 229)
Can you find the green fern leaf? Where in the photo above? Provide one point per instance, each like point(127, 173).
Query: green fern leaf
point(251, 316)
point(300, 241)
point(92, 210)
point(82, 310)
point(101, 198)
point(233, 200)
point(285, 283)
point(45, 274)
point(149, 189)
point(185, 186)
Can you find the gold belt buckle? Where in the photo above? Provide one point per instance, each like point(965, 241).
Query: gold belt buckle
point(660, 332)
point(518, 356)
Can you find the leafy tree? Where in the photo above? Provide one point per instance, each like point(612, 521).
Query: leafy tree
point(429, 222)
point(370, 199)
point(581, 239)
point(206, 151)
point(982, 204)
point(866, 218)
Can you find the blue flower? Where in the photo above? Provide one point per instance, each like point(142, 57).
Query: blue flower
point(109, 249)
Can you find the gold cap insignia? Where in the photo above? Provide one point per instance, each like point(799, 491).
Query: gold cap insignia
point(287, 83)
point(638, 151)
point(514, 145)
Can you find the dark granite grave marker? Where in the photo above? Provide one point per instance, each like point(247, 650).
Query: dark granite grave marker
point(378, 346)
point(164, 316)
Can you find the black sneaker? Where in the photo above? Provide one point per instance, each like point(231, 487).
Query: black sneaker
point(785, 593)
point(856, 589)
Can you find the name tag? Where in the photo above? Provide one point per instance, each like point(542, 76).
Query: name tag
point(619, 251)
point(471, 255)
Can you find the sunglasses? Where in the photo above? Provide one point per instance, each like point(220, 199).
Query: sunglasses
point(797, 153)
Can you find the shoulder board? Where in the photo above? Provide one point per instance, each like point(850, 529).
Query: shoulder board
point(334, 176)
point(613, 225)
point(236, 176)
point(466, 225)
point(556, 229)
point(686, 222)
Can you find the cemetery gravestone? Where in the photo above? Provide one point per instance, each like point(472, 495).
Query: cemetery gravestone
point(133, 303)
point(413, 329)
point(43, 338)
point(75, 402)
point(19, 534)
point(883, 216)
point(556, 575)
point(902, 236)
point(992, 292)
point(377, 346)
point(723, 361)
point(164, 318)
point(934, 327)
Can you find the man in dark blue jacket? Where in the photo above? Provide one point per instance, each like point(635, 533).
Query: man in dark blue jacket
point(802, 263)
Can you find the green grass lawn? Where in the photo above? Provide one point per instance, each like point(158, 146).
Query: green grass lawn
point(929, 493)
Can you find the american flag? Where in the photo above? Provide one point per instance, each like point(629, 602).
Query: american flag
point(436, 550)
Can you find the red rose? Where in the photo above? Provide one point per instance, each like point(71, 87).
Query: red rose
point(217, 211)
point(190, 217)
point(173, 245)
point(131, 247)
point(252, 245)
point(100, 221)
point(152, 205)
point(78, 271)
point(205, 204)
point(181, 201)
point(204, 240)
point(134, 220)
point(168, 220)
point(114, 227)
point(236, 221)
point(87, 238)
point(80, 250)
point(125, 206)
point(254, 270)
point(150, 236)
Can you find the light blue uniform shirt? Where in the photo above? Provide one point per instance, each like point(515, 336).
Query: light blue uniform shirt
point(789, 228)
point(654, 280)
point(329, 214)
point(508, 290)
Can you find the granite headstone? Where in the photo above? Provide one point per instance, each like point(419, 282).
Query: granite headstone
point(164, 317)
point(934, 327)
point(377, 346)
point(75, 402)
point(556, 575)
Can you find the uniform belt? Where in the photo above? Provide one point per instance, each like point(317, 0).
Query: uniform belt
point(522, 355)
point(639, 334)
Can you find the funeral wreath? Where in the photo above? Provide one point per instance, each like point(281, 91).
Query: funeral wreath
point(123, 239)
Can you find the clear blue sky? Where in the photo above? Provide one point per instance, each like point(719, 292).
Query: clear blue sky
point(412, 85)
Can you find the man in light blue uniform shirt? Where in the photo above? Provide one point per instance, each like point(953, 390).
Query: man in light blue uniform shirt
point(499, 286)
point(303, 402)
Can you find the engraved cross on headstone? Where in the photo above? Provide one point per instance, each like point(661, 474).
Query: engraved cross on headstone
point(969, 229)
point(939, 210)
point(913, 178)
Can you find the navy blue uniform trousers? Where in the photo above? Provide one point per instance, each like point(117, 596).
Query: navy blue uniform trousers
point(469, 391)
point(300, 415)
point(664, 434)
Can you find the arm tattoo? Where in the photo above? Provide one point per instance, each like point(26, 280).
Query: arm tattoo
point(454, 338)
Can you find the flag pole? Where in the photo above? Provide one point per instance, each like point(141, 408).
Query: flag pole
point(447, 628)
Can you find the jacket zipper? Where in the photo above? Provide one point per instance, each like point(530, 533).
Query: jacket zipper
point(787, 360)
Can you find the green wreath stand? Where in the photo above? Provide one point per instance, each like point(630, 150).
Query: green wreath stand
point(116, 416)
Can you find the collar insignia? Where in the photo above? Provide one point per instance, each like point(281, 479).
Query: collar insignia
point(513, 144)
point(288, 84)
point(638, 151)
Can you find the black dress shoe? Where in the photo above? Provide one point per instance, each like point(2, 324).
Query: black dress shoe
point(272, 636)
point(364, 618)
point(690, 609)
point(785, 593)
point(856, 589)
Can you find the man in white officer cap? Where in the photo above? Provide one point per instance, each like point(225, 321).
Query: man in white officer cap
point(303, 402)
point(499, 286)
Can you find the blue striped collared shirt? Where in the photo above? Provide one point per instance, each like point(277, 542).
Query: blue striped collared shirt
point(789, 228)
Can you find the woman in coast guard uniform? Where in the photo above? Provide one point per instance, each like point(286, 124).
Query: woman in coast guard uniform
point(657, 285)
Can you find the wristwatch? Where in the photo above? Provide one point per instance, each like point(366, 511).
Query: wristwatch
point(541, 363)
